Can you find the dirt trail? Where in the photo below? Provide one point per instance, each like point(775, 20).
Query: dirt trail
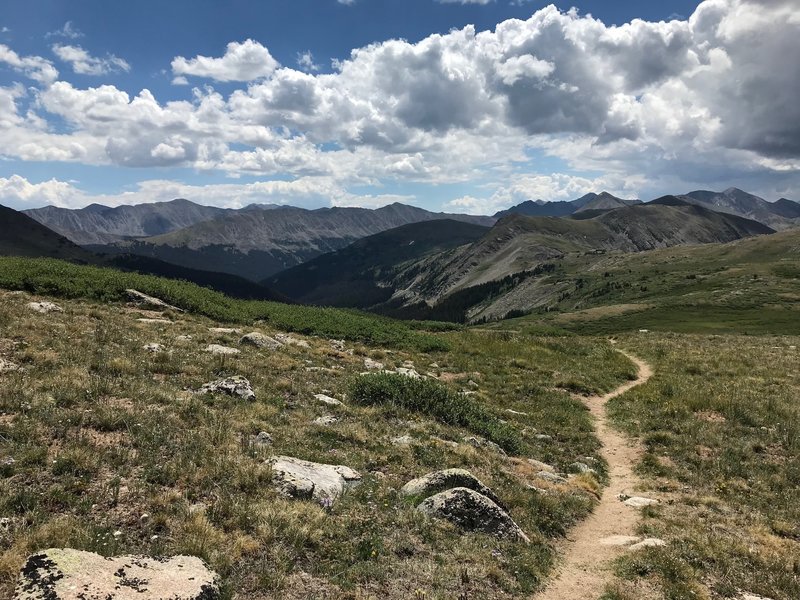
point(590, 546)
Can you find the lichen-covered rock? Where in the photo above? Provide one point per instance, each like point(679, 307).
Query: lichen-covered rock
point(289, 340)
point(325, 420)
point(232, 386)
point(482, 443)
point(308, 480)
point(67, 574)
point(259, 340)
point(438, 481)
point(44, 307)
point(372, 365)
point(472, 511)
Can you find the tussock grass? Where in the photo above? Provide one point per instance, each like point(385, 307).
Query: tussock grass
point(434, 399)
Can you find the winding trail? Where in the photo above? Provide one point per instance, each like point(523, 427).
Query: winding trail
point(590, 546)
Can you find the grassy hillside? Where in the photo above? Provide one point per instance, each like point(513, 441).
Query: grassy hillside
point(104, 447)
point(66, 280)
point(20, 235)
point(749, 286)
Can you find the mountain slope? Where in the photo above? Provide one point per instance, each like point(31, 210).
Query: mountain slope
point(511, 267)
point(563, 208)
point(258, 243)
point(97, 224)
point(354, 276)
point(737, 202)
point(20, 235)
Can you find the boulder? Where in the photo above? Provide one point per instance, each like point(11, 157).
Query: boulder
point(551, 477)
point(261, 440)
point(325, 399)
point(44, 307)
point(307, 480)
point(325, 420)
point(471, 511)
point(259, 340)
point(141, 299)
point(154, 348)
point(582, 468)
point(64, 573)
point(217, 349)
point(438, 481)
point(232, 386)
point(408, 372)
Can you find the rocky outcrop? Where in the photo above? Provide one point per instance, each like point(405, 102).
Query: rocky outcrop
point(259, 340)
point(438, 481)
point(232, 386)
point(308, 480)
point(67, 574)
point(471, 511)
point(328, 400)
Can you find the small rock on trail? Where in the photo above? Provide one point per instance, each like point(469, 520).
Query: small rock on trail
point(67, 574)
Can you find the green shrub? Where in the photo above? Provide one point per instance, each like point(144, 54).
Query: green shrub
point(432, 398)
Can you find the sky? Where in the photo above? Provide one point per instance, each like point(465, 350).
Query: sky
point(451, 105)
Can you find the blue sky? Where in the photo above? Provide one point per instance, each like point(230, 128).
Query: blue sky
point(266, 101)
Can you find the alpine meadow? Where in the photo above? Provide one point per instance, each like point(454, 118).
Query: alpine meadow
point(400, 300)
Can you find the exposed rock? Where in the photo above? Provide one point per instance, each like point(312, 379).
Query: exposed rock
point(259, 340)
point(261, 440)
point(338, 345)
point(224, 330)
point(408, 372)
point(543, 437)
point(324, 399)
point(479, 442)
point(402, 440)
point(217, 349)
point(233, 386)
point(183, 338)
point(438, 481)
point(153, 347)
point(638, 501)
point(67, 574)
point(325, 420)
point(580, 467)
point(304, 479)
point(372, 365)
point(516, 412)
point(551, 477)
point(285, 338)
point(647, 543)
point(155, 321)
point(144, 300)
point(472, 511)
point(748, 596)
point(44, 307)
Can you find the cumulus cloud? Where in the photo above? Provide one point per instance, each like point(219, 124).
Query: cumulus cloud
point(643, 105)
point(85, 64)
point(34, 67)
point(243, 61)
point(305, 60)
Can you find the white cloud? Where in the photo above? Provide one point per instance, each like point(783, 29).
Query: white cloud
point(305, 60)
point(33, 67)
point(644, 106)
point(85, 64)
point(16, 190)
point(68, 31)
point(244, 61)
